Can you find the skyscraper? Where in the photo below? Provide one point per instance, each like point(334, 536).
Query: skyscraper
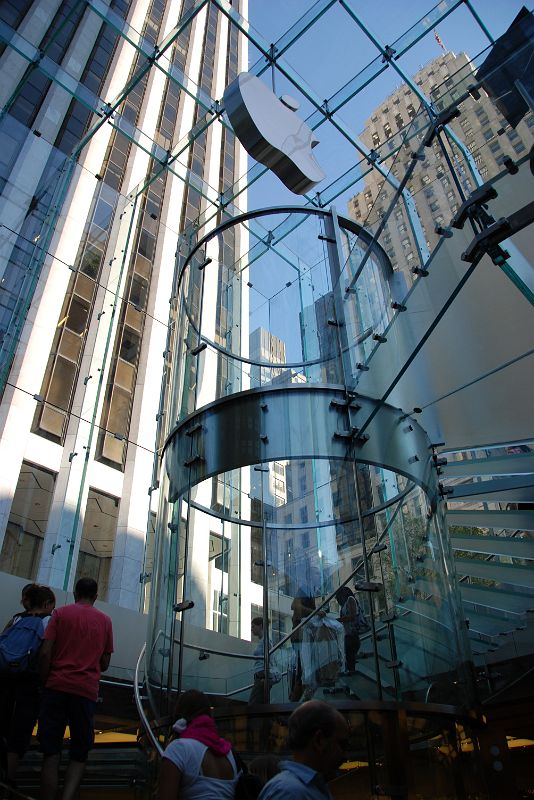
point(395, 129)
point(100, 176)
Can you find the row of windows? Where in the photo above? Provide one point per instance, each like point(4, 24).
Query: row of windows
point(60, 377)
point(32, 90)
point(116, 412)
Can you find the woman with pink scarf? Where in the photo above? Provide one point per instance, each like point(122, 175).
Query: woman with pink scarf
point(198, 764)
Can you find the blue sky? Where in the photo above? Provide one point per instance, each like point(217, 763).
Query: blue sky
point(334, 50)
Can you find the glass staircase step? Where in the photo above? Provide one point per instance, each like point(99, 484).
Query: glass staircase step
point(493, 465)
point(497, 599)
point(494, 545)
point(492, 626)
point(518, 520)
point(492, 570)
point(515, 489)
point(112, 770)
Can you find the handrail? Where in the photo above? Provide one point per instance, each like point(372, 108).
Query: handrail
point(507, 686)
point(125, 684)
point(248, 656)
point(140, 710)
point(12, 791)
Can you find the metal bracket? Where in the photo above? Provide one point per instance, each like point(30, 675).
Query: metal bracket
point(441, 120)
point(193, 460)
point(195, 351)
point(367, 586)
point(350, 434)
point(477, 198)
point(388, 53)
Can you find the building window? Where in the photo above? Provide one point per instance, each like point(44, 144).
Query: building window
point(98, 539)
point(28, 518)
point(519, 147)
point(220, 612)
point(219, 552)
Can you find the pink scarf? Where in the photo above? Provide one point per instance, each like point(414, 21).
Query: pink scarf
point(202, 728)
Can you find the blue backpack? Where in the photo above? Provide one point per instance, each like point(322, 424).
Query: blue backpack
point(19, 645)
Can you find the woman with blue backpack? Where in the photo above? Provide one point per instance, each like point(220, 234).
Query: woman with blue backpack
point(20, 686)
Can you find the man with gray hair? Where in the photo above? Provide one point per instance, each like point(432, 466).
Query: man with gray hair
point(318, 738)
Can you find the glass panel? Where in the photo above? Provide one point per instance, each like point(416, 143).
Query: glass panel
point(28, 518)
point(98, 539)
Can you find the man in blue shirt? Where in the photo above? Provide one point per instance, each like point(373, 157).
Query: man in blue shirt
point(318, 738)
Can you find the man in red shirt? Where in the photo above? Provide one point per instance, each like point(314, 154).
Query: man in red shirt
point(77, 647)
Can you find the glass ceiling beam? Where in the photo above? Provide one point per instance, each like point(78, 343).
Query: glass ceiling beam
point(444, 287)
point(151, 57)
point(389, 56)
point(145, 48)
point(51, 69)
point(273, 55)
point(479, 21)
point(42, 51)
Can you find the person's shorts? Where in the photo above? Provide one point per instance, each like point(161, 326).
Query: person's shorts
point(59, 709)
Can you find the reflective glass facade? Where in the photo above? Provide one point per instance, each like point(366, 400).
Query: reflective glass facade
point(250, 410)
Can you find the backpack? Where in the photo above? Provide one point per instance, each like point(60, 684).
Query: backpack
point(248, 786)
point(19, 645)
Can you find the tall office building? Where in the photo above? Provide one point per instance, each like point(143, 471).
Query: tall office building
point(395, 129)
point(98, 181)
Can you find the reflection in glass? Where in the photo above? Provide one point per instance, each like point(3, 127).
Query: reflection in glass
point(21, 549)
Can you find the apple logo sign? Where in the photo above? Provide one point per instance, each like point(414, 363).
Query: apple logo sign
point(272, 133)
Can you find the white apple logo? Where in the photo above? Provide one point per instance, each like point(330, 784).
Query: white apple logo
point(272, 133)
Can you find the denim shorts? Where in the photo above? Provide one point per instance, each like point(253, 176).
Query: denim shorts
point(59, 709)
